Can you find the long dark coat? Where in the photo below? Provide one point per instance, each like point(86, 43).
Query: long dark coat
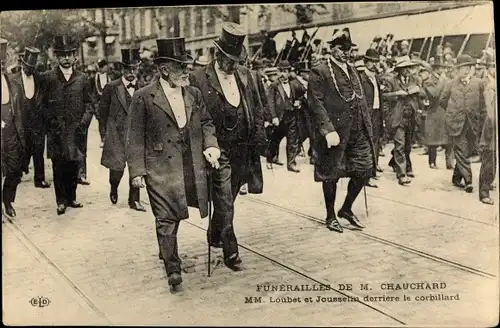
point(14, 161)
point(329, 113)
point(68, 110)
point(206, 80)
point(377, 116)
point(435, 123)
point(114, 110)
point(154, 150)
point(464, 102)
point(488, 139)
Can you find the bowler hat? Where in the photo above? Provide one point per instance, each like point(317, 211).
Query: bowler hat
point(30, 56)
point(284, 64)
point(342, 38)
point(465, 60)
point(64, 43)
point(302, 66)
point(231, 40)
point(3, 49)
point(372, 54)
point(131, 57)
point(172, 49)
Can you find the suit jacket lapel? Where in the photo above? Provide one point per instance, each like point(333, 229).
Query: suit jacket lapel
point(188, 103)
point(122, 97)
point(160, 100)
point(213, 80)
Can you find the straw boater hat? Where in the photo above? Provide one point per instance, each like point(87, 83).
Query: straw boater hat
point(131, 57)
point(30, 56)
point(202, 61)
point(173, 49)
point(231, 40)
point(465, 60)
point(404, 61)
point(64, 43)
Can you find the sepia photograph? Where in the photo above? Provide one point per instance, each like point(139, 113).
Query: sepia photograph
point(307, 164)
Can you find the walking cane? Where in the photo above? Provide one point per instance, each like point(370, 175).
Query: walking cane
point(209, 219)
point(366, 200)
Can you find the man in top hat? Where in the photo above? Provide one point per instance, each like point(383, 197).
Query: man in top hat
point(170, 135)
point(29, 82)
point(487, 143)
point(68, 110)
point(97, 84)
point(463, 100)
point(404, 94)
point(342, 130)
point(285, 99)
point(371, 83)
point(13, 142)
point(233, 102)
point(114, 107)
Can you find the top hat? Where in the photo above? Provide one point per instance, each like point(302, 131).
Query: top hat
point(202, 61)
point(342, 38)
point(404, 61)
point(3, 49)
point(284, 64)
point(302, 66)
point(172, 49)
point(231, 40)
point(131, 57)
point(30, 56)
point(465, 60)
point(372, 54)
point(64, 43)
point(102, 62)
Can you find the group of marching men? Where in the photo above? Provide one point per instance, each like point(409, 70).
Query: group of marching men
point(194, 136)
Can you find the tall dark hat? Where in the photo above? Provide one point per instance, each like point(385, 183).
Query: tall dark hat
point(131, 57)
point(3, 49)
point(30, 56)
point(172, 49)
point(64, 43)
point(342, 38)
point(231, 40)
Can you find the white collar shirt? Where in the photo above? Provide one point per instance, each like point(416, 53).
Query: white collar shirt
point(126, 83)
point(176, 101)
point(5, 91)
point(67, 72)
point(229, 86)
point(103, 79)
point(28, 85)
point(376, 96)
point(286, 87)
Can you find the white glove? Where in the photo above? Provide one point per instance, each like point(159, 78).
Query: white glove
point(275, 121)
point(266, 124)
point(332, 139)
point(212, 155)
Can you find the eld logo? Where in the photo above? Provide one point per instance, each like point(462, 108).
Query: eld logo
point(40, 301)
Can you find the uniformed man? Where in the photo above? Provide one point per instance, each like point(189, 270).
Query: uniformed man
point(13, 143)
point(29, 83)
point(114, 107)
point(232, 100)
point(169, 133)
point(68, 111)
point(342, 128)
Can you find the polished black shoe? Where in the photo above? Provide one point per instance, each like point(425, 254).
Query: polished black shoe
point(10, 211)
point(234, 263)
point(349, 216)
point(113, 197)
point(371, 184)
point(293, 168)
point(333, 225)
point(137, 206)
point(42, 184)
point(61, 209)
point(83, 181)
point(75, 204)
point(469, 188)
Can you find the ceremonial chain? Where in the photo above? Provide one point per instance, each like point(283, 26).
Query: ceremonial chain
point(354, 94)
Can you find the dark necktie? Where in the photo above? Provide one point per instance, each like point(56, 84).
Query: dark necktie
point(130, 86)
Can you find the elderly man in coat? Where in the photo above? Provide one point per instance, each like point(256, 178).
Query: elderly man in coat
point(13, 140)
point(232, 100)
point(169, 131)
point(68, 111)
point(113, 108)
point(342, 127)
point(463, 100)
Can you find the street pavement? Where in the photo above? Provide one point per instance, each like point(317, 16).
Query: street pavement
point(99, 264)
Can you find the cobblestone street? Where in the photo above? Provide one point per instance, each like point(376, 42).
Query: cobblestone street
point(99, 265)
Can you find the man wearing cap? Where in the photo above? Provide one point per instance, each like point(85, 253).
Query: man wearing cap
point(342, 130)
point(114, 107)
point(29, 82)
point(463, 100)
point(488, 144)
point(13, 142)
point(404, 93)
point(285, 99)
point(233, 102)
point(373, 97)
point(68, 110)
point(169, 136)
point(97, 84)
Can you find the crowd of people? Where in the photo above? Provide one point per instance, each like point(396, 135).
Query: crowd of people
point(192, 131)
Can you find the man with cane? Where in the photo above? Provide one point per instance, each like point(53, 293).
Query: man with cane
point(170, 136)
